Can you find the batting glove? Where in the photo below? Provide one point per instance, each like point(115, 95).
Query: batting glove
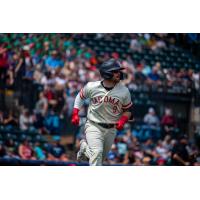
point(121, 122)
point(75, 117)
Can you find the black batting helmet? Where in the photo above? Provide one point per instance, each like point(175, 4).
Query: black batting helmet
point(107, 68)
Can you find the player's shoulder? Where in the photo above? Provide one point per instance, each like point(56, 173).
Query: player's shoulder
point(123, 88)
point(93, 84)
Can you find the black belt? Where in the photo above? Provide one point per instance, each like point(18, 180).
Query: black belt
point(104, 125)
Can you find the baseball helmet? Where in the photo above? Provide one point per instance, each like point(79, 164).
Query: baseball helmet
point(107, 68)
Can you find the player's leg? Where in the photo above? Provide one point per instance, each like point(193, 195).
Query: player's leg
point(95, 140)
point(108, 141)
point(81, 157)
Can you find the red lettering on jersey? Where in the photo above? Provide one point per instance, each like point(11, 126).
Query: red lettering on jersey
point(99, 99)
point(106, 99)
point(94, 100)
point(117, 103)
point(112, 101)
point(115, 110)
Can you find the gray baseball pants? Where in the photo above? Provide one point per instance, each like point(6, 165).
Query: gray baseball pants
point(99, 142)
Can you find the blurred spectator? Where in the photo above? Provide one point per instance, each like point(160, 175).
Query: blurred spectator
point(113, 155)
point(196, 79)
point(146, 70)
point(139, 75)
point(39, 152)
point(128, 137)
point(54, 61)
point(151, 118)
point(169, 123)
point(25, 151)
point(157, 44)
point(170, 76)
point(151, 129)
point(183, 78)
point(180, 154)
point(41, 109)
point(60, 81)
point(41, 106)
point(60, 100)
point(57, 149)
point(135, 45)
point(148, 147)
point(11, 149)
point(69, 102)
point(49, 95)
point(10, 120)
point(3, 65)
point(146, 161)
point(20, 68)
point(37, 75)
point(122, 148)
point(138, 162)
point(11, 154)
point(9, 81)
point(25, 120)
point(1, 118)
point(129, 158)
point(154, 78)
point(52, 123)
point(162, 153)
point(3, 152)
point(167, 142)
point(10, 145)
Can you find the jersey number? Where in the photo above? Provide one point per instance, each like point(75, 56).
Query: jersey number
point(114, 109)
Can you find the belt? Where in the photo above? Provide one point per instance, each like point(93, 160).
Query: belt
point(104, 125)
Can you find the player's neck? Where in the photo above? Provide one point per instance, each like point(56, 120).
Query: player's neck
point(109, 83)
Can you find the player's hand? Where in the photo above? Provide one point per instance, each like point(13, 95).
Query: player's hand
point(75, 117)
point(119, 126)
point(75, 120)
point(122, 121)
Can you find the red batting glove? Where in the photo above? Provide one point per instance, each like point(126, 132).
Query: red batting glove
point(121, 122)
point(75, 118)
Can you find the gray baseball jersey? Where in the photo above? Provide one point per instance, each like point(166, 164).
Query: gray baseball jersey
point(105, 106)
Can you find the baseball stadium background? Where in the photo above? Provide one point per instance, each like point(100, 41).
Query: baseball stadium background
point(41, 74)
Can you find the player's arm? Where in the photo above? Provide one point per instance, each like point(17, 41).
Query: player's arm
point(127, 112)
point(79, 100)
point(126, 115)
point(78, 103)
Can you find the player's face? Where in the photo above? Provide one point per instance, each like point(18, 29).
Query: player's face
point(116, 76)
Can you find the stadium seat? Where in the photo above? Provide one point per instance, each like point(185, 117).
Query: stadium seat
point(22, 137)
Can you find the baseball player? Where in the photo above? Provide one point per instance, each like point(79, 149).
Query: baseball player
point(108, 111)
